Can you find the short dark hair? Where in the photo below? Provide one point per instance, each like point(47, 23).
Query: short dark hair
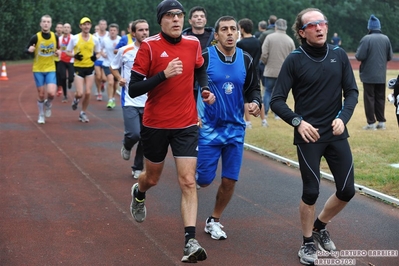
point(137, 21)
point(113, 25)
point(195, 9)
point(224, 18)
point(246, 24)
point(272, 19)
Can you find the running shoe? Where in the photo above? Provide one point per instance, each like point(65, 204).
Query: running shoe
point(83, 118)
point(99, 97)
point(193, 252)
point(47, 106)
point(136, 174)
point(307, 254)
point(41, 119)
point(111, 104)
point(125, 153)
point(323, 240)
point(215, 230)
point(65, 99)
point(264, 123)
point(75, 104)
point(137, 207)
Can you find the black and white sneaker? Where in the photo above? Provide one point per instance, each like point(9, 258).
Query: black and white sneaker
point(307, 254)
point(323, 240)
point(137, 207)
point(193, 252)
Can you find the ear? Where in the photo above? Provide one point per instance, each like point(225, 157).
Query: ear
point(301, 33)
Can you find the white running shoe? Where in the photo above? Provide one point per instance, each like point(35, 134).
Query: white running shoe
point(47, 111)
point(136, 174)
point(125, 153)
point(83, 118)
point(41, 119)
point(215, 230)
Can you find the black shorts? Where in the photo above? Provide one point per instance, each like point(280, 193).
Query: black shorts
point(183, 142)
point(84, 71)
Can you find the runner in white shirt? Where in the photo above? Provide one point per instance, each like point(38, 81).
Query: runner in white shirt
point(132, 108)
point(108, 47)
point(100, 76)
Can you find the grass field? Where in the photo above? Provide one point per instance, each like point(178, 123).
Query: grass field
point(373, 151)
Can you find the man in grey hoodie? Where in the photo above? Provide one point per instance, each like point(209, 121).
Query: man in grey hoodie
point(374, 52)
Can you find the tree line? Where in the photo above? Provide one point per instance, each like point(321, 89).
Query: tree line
point(19, 19)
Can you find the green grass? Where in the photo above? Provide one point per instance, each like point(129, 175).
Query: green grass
point(373, 151)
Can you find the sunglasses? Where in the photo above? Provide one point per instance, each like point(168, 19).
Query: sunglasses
point(179, 14)
point(313, 24)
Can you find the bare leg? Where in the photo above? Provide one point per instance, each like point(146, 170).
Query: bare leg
point(79, 83)
point(89, 80)
point(149, 177)
point(331, 208)
point(189, 201)
point(98, 78)
point(223, 196)
point(306, 213)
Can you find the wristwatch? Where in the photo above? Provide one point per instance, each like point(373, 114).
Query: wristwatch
point(296, 121)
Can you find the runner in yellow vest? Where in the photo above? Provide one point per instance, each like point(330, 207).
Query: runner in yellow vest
point(84, 47)
point(44, 46)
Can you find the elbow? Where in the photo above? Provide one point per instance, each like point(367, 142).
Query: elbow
point(131, 91)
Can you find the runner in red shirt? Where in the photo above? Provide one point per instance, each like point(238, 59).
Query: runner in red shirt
point(165, 67)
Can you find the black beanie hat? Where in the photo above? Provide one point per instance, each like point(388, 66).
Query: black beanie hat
point(167, 5)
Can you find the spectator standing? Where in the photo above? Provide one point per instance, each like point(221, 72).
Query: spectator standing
point(276, 47)
point(374, 52)
point(336, 40)
point(165, 66)
point(262, 26)
point(325, 94)
point(393, 84)
point(270, 28)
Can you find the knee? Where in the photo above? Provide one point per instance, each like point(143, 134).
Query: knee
point(346, 194)
point(134, 137)
point(310, 196)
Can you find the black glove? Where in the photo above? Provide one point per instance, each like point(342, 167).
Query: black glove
point(78, 56)
point(93, 57)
